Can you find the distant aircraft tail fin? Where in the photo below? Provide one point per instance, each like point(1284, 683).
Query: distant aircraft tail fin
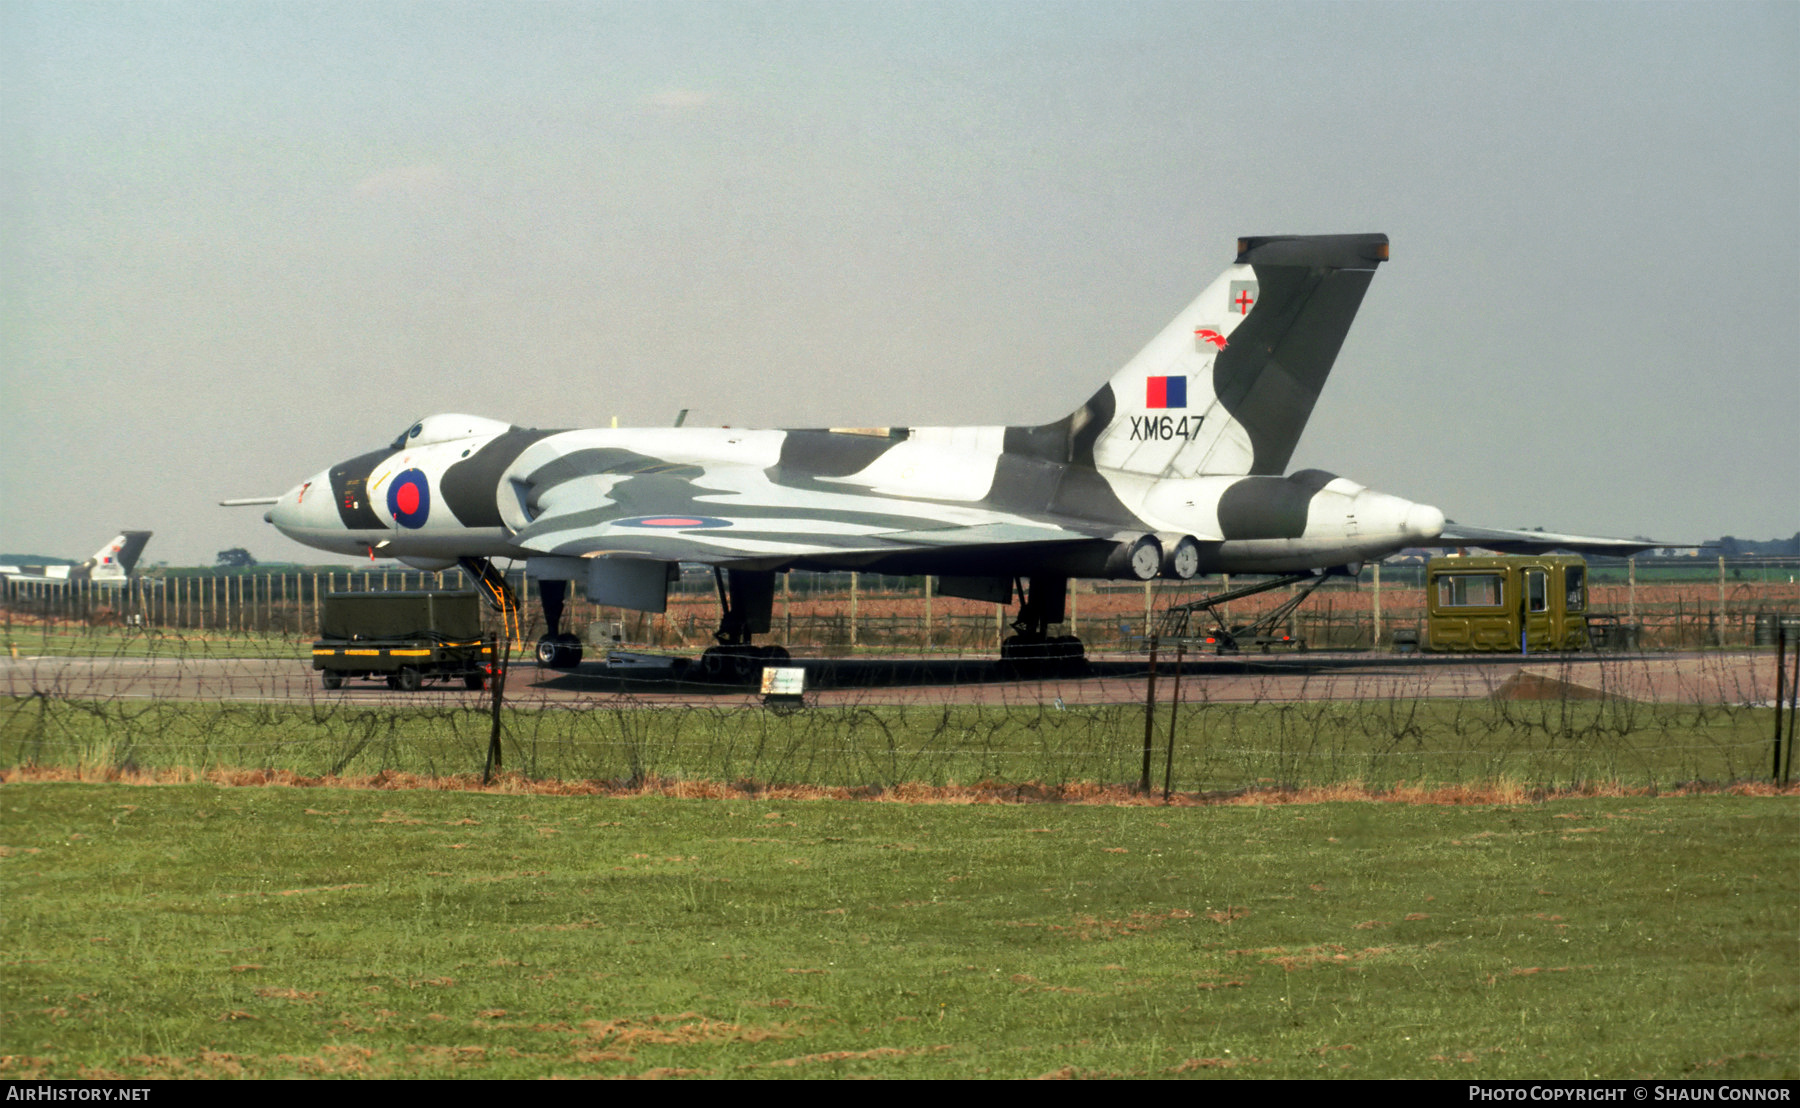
point(118, 557)
point(1228, 386)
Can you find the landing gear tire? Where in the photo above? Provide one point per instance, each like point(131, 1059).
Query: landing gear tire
point(707, 669)
point(738, 664)
point(562, 651)
point(1025, 656)
point(1183, 561)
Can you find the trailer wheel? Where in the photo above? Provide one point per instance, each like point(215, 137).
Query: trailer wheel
point(474, 681)
point(331, 679)
point(408, 679)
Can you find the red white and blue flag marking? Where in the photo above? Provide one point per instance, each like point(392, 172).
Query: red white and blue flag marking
point(1165, 392)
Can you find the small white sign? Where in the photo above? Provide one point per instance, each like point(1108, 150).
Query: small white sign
point(783, 680)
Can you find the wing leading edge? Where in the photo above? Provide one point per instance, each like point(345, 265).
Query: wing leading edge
point(1542, 542)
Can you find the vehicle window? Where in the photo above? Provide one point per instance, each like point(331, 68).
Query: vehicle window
point(1537, 590)
point(1575, 578)
point(1469, 590)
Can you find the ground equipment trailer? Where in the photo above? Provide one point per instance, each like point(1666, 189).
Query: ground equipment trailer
point(407, 638)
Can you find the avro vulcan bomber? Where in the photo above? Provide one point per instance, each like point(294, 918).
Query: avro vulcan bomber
point(1177, 466)
point(111, 566)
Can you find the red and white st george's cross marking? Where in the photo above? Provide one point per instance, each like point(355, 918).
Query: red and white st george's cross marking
point(1241, 297)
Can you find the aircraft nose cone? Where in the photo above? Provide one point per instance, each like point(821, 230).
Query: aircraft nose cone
point(1424, 522)
point(305, 509)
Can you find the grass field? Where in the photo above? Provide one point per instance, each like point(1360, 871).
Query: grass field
point(191, 930)
point(585, 918)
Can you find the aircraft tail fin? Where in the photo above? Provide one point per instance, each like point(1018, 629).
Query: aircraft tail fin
point(118, 557)
point(1228, 386)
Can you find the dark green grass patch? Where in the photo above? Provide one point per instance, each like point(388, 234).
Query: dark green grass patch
point(80, 641)
point(197, 931)
point(1378, 743)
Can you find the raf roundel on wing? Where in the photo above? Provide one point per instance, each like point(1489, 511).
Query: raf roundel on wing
point(409, 499)
point(680, 522)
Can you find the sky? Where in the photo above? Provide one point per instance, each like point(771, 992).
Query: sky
point(242, 241)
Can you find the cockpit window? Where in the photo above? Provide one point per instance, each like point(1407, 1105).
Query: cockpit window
point(447, 427)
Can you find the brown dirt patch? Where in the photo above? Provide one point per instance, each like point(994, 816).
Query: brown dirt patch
point(982, 793)
point(1526, 685)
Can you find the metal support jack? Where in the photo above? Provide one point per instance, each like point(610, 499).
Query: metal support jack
point(1179, 622)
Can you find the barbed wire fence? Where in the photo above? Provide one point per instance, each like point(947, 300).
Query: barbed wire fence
point(203, 704)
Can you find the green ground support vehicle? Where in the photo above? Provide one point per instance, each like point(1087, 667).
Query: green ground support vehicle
point(1519, 604)
point(407, 638)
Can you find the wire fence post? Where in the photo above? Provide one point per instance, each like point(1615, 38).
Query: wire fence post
point(1174, 711)
point(925, 638)
point(1149, 717)
point(1780, 692)
point(1721, 642)
point(1793, 700)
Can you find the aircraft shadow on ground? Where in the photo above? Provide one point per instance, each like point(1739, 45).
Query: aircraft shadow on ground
point(884, 673)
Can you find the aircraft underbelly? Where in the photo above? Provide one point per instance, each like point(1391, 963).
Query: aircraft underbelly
point(489, 542)
point(1295, 555)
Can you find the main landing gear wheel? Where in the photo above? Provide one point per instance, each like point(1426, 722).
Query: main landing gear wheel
point(1034, 651)
point(560, 651)
point(740, 664)
point(1042, 656)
